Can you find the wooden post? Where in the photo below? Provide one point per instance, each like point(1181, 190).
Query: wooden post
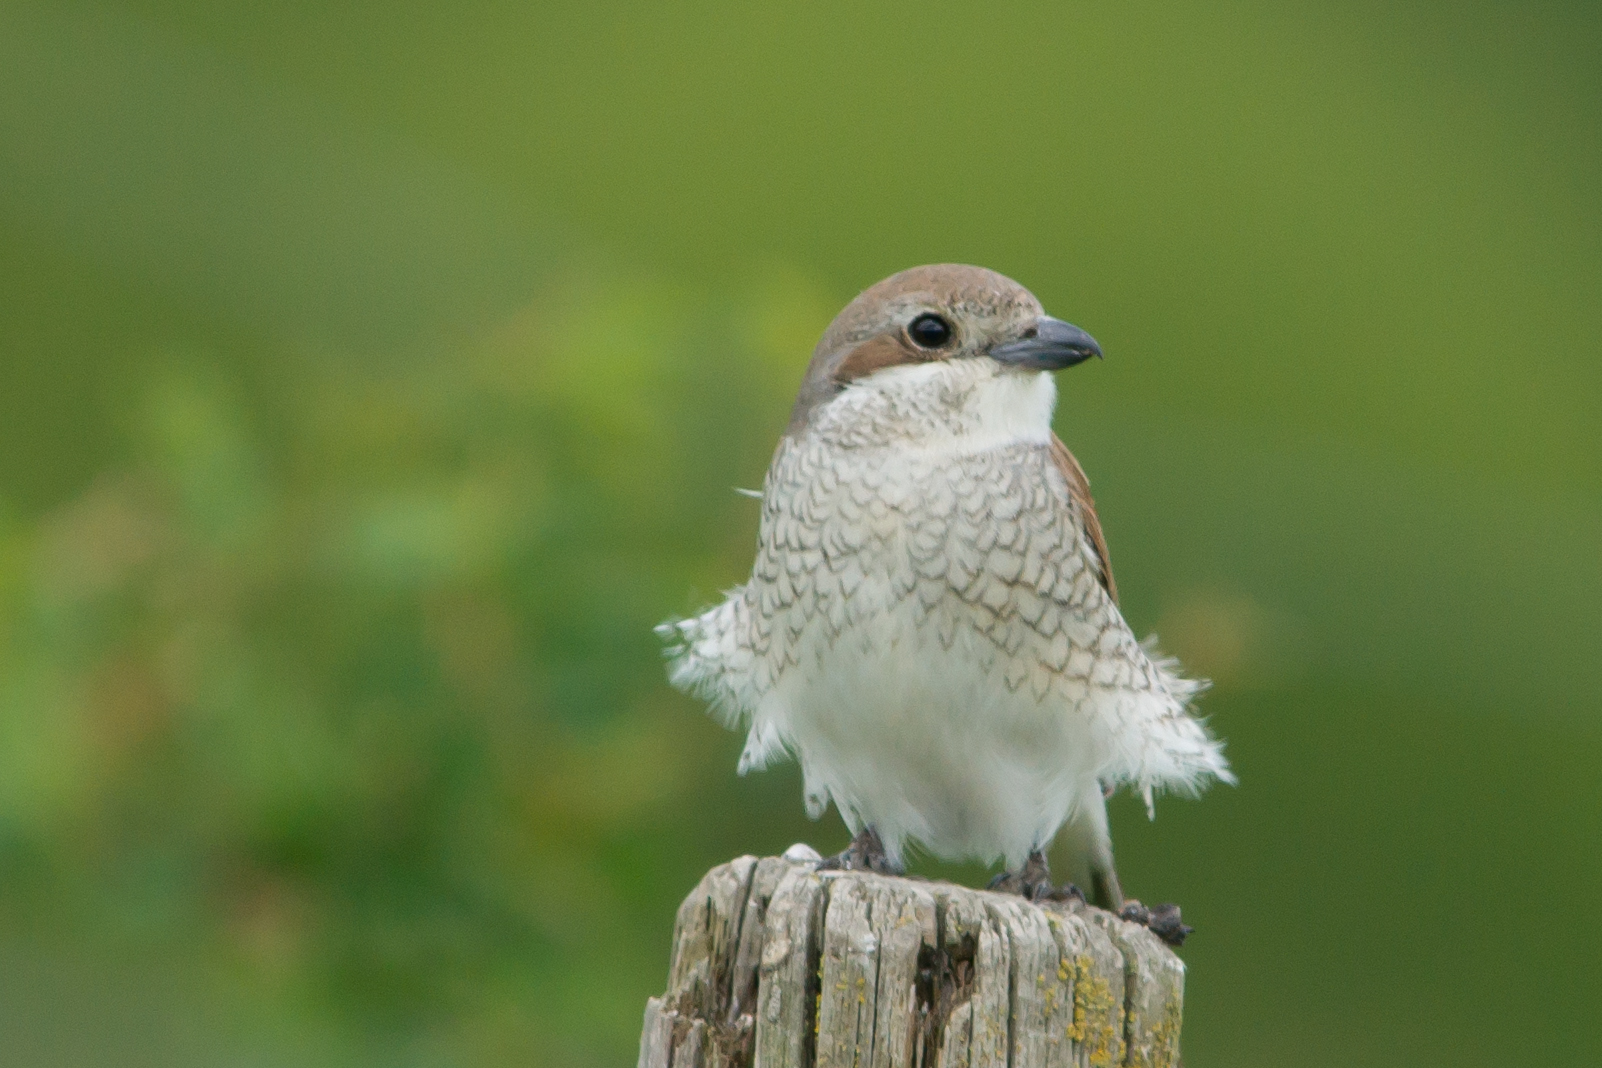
point(778, 965)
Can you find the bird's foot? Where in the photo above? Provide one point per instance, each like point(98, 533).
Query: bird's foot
point(1032, 881)
point(865, 853)
point(1067, 892)
point(1162, 920)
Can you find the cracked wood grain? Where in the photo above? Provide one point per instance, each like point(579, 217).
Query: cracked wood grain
point(777, 965)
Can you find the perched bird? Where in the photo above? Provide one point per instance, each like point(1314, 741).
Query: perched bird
point(931, 626)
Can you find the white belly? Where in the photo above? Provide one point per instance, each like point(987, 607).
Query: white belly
point(930, 743)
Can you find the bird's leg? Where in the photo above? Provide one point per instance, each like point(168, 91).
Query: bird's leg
point(1105, 893)
point(865, 853)
point(1032, 881)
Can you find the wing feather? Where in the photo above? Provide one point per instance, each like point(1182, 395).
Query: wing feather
point(1079, 490)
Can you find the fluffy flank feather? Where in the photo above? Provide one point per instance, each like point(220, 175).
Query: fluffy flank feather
point(1177, 753)
point(707, 659)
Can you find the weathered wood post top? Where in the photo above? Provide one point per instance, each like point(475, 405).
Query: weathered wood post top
point(778, 965)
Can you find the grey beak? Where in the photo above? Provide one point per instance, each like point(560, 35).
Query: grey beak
point(1049, 345)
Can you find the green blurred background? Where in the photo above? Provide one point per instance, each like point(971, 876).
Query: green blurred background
point(374, 375)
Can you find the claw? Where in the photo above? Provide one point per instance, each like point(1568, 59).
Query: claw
point(1162, 921)
point(1067, 892)
point(865, 853)
point(1031, 882)
point(1165, 924)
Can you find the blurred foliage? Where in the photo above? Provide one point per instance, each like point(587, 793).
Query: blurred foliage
point(330, 663)
point(373, 376)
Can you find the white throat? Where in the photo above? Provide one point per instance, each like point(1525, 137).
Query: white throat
point(954, 406)
point(1008, 408)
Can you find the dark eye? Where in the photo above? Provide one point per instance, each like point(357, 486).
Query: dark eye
point(929, 331)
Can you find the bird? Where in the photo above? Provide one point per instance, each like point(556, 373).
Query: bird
point(931, 627)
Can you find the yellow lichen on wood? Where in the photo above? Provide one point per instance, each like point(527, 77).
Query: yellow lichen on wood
point(1102, 1019)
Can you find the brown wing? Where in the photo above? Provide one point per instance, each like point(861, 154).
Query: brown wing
point(1079, 490)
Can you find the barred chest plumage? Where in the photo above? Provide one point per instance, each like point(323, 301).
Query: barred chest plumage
point(985, 543)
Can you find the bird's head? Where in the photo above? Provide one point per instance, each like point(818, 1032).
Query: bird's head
point(944, 312)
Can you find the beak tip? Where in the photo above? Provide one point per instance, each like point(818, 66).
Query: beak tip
point(1050, 346)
